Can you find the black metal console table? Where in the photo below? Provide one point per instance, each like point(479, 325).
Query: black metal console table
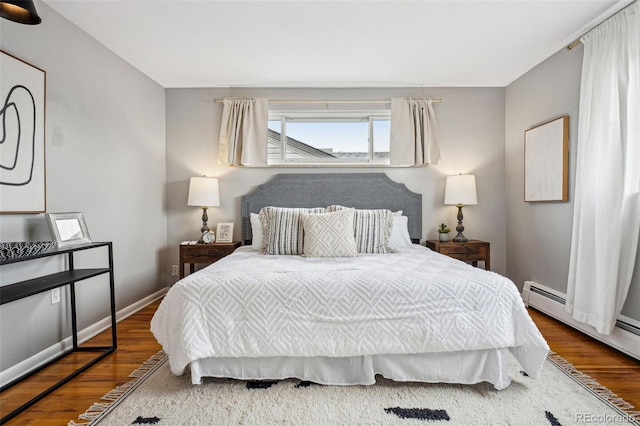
point(70, 276)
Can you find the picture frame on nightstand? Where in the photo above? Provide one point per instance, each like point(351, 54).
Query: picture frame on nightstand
point(224, 232)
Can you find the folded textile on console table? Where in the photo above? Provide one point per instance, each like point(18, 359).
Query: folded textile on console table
point(412, 302)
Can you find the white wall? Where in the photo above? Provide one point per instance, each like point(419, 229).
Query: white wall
point(107, 160)
point(539, 234)
point(471, 127)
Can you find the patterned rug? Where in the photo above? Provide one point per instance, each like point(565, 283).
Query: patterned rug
point(561, 395)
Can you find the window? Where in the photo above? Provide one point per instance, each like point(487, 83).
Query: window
point(329, 137)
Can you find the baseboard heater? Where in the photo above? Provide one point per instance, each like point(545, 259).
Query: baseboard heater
point(625, 336)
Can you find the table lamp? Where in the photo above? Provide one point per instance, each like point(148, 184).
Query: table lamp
point(460, 190)
point(204, 192)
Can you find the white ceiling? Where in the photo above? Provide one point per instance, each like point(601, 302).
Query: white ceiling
point(301, 43)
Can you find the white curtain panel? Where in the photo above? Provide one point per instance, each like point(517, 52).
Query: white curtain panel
point(414, 136)
point(243, 132)
point(606, 217)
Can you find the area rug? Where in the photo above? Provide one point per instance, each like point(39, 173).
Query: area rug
point(560, 396)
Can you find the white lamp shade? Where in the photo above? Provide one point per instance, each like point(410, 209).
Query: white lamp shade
point(460, 189)
point(204, 192)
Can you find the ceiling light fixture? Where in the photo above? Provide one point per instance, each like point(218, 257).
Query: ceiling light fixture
point(21, 11)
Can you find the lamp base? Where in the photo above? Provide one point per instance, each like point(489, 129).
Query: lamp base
point(205, 227)
point(460, 238)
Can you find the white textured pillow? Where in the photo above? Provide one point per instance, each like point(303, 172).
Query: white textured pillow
point(372, 229)
point(400, 233)
point(256, 231)
point(329, 234)
point(282, 229)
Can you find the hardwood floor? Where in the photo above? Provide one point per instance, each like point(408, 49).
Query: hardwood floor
point(136, 344)
point(613, 369)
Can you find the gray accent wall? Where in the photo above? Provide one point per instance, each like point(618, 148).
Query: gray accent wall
point(539, 234)
point(105, 157)
point(471, 127)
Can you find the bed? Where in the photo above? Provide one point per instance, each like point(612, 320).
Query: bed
point(409, 315)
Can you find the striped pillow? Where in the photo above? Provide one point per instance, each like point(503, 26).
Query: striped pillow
point(372, 229)
point(282, 231)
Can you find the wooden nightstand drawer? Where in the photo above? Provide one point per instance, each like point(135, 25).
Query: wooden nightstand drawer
point(204, 253)
point(202, 258)
point(466, 252)
point(471, 251)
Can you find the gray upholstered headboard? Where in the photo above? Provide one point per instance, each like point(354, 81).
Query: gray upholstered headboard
point(359, 190)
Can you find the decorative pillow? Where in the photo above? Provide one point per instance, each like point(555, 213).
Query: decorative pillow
point(282, 229)
point(372, 229)
point(400, 233)
point(256, 231)
point(329, 234)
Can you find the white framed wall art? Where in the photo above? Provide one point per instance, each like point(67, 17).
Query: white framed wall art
point(546, 161)
point(22, 159)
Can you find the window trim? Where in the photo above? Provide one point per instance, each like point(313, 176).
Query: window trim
point(323, 116)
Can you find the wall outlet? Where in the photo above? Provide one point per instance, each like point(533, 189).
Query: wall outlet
point(55, 296)
point(174, 270)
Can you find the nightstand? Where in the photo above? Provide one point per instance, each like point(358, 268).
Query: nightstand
point(471, 251)
point(204, 253)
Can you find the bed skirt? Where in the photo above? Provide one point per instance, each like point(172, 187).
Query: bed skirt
point(466, 367)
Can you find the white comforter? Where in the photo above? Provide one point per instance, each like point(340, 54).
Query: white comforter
point(415, 301)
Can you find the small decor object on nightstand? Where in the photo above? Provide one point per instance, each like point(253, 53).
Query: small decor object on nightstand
point(443, 232)
point(225, 232)
point(208, 237)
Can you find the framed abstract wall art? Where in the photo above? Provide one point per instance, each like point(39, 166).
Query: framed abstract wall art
point(22, 119)
point(546, 161)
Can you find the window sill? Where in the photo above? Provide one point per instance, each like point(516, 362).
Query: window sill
point(327, 166)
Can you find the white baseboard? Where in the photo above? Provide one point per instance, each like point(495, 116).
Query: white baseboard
point(552, 304)
point(85, 334)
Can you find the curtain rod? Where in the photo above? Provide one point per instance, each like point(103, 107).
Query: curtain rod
point(578, 41)
point(310, 101)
